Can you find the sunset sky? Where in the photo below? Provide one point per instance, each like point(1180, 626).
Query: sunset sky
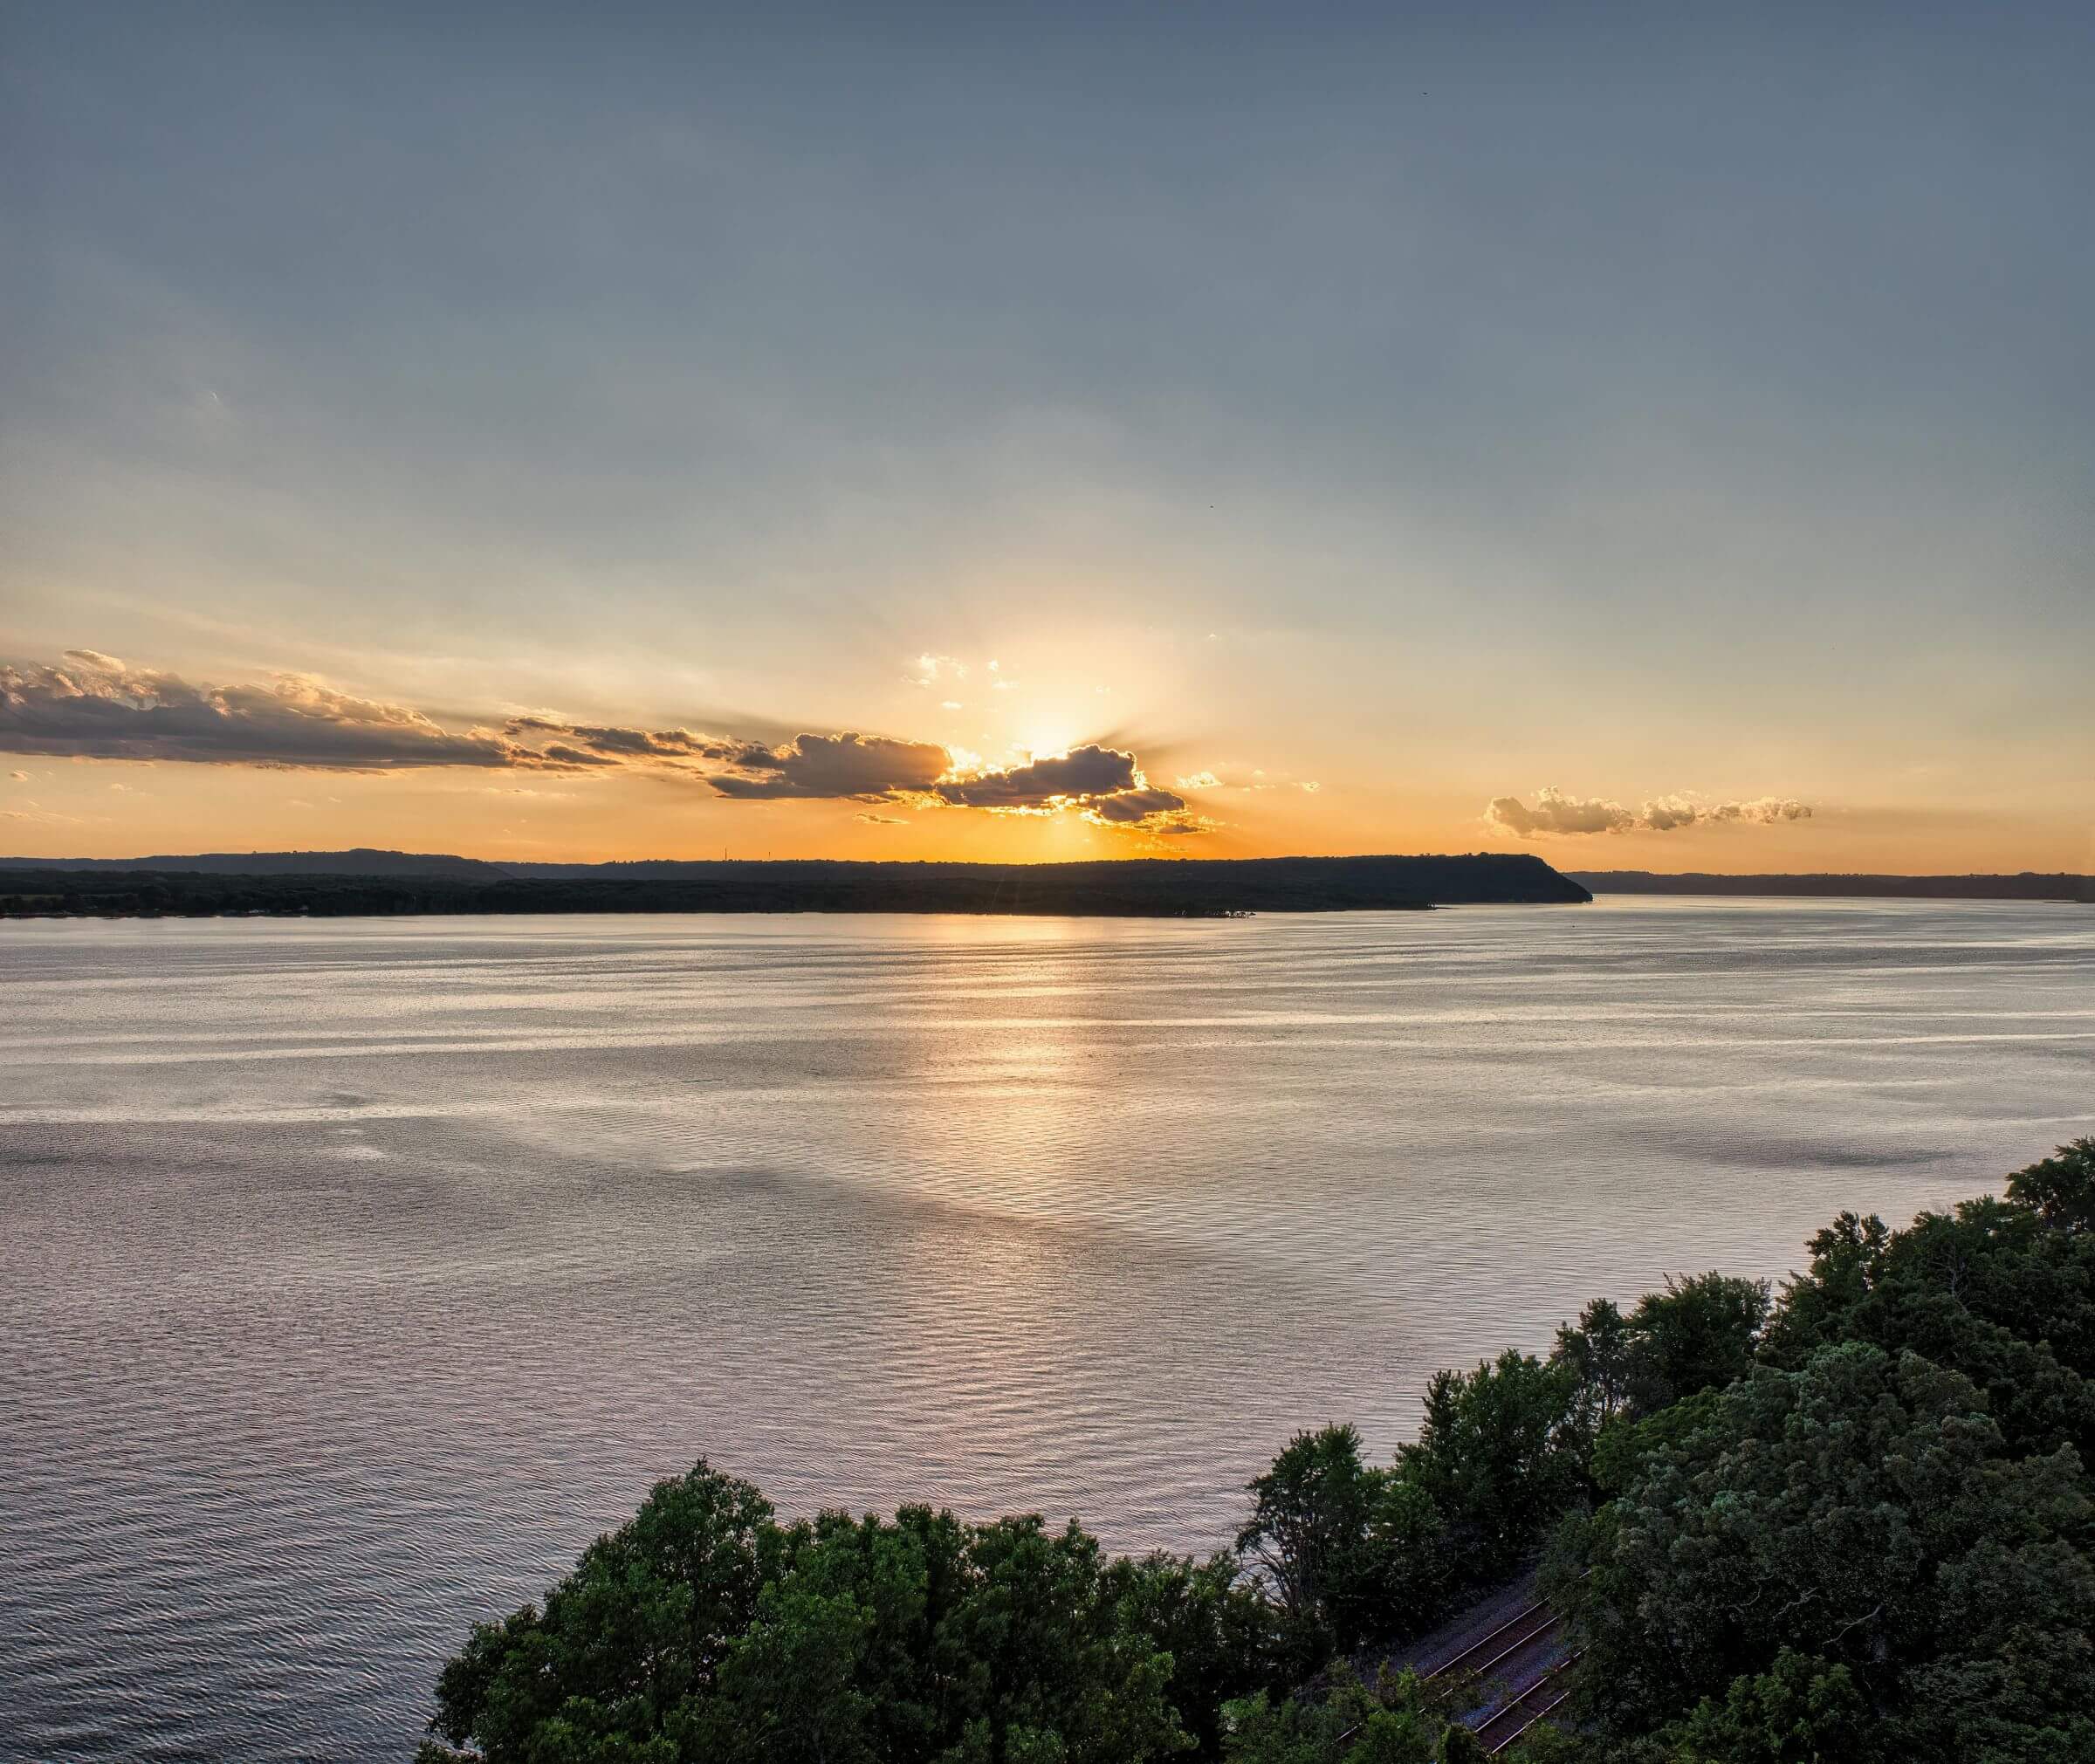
point(1650, 437)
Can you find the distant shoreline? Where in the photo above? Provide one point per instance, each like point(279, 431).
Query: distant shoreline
point(390, 885)
point(2028, 885)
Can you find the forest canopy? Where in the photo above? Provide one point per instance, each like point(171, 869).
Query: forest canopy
point(1850, 1521)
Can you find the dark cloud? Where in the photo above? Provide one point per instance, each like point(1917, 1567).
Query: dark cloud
point(1079, 775)
point(867, 768)
point(1104, 783)
point(1128, 806)
point(93, 706)
point(1555, 812)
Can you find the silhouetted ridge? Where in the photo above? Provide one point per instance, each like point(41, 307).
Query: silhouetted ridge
point(1139, 887)
point(360, 861)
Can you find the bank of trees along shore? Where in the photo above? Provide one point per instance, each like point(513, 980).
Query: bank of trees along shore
point(1850, 1524)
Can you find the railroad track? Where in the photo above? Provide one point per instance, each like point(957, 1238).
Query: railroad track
point(1535, 1705)
point(1517, 1632)
point(1525, 1705)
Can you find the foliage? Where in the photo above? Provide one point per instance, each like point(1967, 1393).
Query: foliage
point(1493, 1456)
point(1346, 1551)
point(1700, 1334)
point(1346, 1723)
point(1224, 1638)
point(1859, 1527)
point(703, 1630)
point(2002, 1292)
point(2060, 1189)
point(1864, 1512)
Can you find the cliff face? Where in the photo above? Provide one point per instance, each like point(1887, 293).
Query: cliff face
point(1135, 887)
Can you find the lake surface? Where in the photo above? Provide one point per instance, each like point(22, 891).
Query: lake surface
point(358, 1272)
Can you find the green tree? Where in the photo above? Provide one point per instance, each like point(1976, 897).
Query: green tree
point(1344, 1723)
point(1222, 1635)
point(1864, 1513)
point(642, 1624)
point(702, 1631)
point(789, 1687)
point(1033, 1645)
point(1306, 1539)
point(1798, 1712)
point(1700, 1334)
point(1496, 1458)
point(1597, 1353)
point(2060, 1190)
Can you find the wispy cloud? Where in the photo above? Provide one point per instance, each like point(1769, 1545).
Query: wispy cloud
point(1554, 812)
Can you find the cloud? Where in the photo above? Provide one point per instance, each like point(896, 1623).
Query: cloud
point(95, 707)
point(615, 743)
point(1103, 784)
point(872, 820)
point(1554, 813)
point(867, 768)
point(1079, 774)
point(1132, 806)
point(43, 817)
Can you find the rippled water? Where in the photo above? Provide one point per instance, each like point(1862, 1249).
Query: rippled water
point(358, 1272)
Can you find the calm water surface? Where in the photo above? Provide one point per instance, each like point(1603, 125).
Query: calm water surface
point(357, 1274)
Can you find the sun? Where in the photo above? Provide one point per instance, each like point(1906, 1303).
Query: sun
point(1046, 740)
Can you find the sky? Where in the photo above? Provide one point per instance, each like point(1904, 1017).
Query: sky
point(1649, 437)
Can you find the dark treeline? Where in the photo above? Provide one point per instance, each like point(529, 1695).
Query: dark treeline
point(2029, 885)
point(1144, 887)
point(1850, 1524)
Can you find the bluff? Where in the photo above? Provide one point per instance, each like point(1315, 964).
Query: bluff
point(1137, 887)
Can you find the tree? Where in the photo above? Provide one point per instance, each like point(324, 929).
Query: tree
point(1033, 1645)
point(705, 1630)
point(1347, 1723)
point(643, 1621)
point(1798, 1712)
point(1210, 1618)
point(2060, 1189)
point(1598, 1355)
point(789, 1687)
point(1306, 1538)
point(1495, 1457)
point(1698, 1335)
point(1864, 1514)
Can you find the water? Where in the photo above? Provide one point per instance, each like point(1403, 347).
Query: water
point(358, 1272)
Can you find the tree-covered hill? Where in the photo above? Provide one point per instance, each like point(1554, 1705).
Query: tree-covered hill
point(1135, 888)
